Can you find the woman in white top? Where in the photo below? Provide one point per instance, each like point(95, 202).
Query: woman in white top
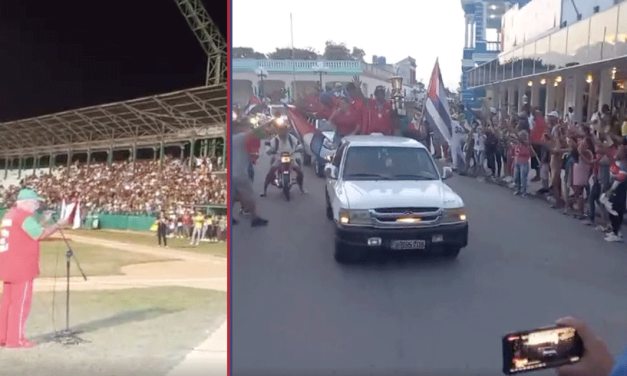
point(479, 148)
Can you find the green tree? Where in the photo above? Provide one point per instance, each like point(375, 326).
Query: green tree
point(336, 51)
point(358, 54)
point(246, 53)
point(285, 53)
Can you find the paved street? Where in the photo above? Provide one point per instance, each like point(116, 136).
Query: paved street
point(296, 311)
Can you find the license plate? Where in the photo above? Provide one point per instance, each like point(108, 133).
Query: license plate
point(408, 244)
point(286, 159)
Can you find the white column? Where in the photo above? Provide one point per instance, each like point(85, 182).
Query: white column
point(573, 94)
point(467, 30)
point(535, 94)
point(511, 92)
point(522, 89)
point(496, 96)
point(559, 96)
point(489, 93)
point(605, 88)
point(501, 103)
point(593, 95)
point(550, 95)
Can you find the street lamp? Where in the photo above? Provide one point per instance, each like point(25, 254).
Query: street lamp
point(262, 73)
point(320, 69)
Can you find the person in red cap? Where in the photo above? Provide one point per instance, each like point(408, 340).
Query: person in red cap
point(19, 265)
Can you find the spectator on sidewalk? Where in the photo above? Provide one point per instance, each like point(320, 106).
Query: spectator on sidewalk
point(616, 197)
point(523, 158)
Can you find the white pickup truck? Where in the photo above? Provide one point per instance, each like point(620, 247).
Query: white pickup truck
point(386, 193)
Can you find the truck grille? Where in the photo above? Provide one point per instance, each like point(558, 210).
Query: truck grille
point(402, 211)
point(388, 217)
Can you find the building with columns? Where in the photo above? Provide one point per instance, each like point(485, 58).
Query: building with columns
point(581, 62)
point(302, 77)
point(483, 40)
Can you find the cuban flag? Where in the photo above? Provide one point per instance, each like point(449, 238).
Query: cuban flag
point(313, 139)
point(253, 101)
point(437, 111)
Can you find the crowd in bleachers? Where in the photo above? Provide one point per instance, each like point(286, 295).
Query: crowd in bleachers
point(127, 187)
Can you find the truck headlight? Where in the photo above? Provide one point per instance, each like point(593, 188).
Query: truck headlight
point(355, 217)
point(454, 215)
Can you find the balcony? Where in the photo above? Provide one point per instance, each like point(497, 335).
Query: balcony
point(339, 67)
point(599, 38)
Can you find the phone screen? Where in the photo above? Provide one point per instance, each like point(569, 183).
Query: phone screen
point(541, 348)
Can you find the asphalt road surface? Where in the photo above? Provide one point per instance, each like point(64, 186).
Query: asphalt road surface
point(296, 311)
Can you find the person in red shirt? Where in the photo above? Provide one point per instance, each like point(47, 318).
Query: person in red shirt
point(19, 265)
point(380, 113)
point(187, 224)
point(346, 121)
point(358, 103)
point(522, 157)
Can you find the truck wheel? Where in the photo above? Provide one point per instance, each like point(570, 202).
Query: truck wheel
point(319, 168)
point(329, 209)
point(344, 254)
point(452, 252)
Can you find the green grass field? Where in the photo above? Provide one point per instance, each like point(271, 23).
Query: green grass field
point(149, 238)
point(143, 331)
point(95, 260)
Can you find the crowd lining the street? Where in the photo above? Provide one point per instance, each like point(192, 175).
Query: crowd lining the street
point(582, 167)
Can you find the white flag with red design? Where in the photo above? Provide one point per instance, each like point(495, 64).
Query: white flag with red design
point(73, 214)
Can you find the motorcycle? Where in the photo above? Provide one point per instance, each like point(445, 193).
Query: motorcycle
point(283, 179)
point(283, 176)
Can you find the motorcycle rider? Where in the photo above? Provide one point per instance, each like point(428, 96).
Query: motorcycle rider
point(283, 142)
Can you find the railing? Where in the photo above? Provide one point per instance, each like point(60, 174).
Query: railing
point(347, 67)
point(493, 46)
point(600, 37)
point(287, 66)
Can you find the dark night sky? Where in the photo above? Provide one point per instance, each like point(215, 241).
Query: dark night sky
point(68, 54)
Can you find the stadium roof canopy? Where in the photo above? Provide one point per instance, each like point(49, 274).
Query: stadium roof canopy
point(174, 117)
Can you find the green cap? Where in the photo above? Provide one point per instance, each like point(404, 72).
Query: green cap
point(28, 194)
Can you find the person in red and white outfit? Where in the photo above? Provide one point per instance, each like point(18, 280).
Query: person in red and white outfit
point(19, 265)
point(379, 119)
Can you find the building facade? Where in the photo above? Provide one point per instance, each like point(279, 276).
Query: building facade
point(581, 63)
point(483, 40)
point(298, 78)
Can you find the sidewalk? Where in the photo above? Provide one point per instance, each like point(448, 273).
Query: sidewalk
point(209, 358)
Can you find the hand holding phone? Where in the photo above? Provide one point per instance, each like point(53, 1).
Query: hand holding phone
point(538, 349)
point(570, 347)
point(596, 359)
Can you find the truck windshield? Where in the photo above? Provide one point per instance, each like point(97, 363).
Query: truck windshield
point(389, 163)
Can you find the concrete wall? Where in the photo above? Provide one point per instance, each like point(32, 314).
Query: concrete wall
point(537, 18)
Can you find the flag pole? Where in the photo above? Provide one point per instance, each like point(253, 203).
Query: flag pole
point(293, 93)
point(424, 102)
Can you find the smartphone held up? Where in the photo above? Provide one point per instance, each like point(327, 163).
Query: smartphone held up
point(538, 349)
